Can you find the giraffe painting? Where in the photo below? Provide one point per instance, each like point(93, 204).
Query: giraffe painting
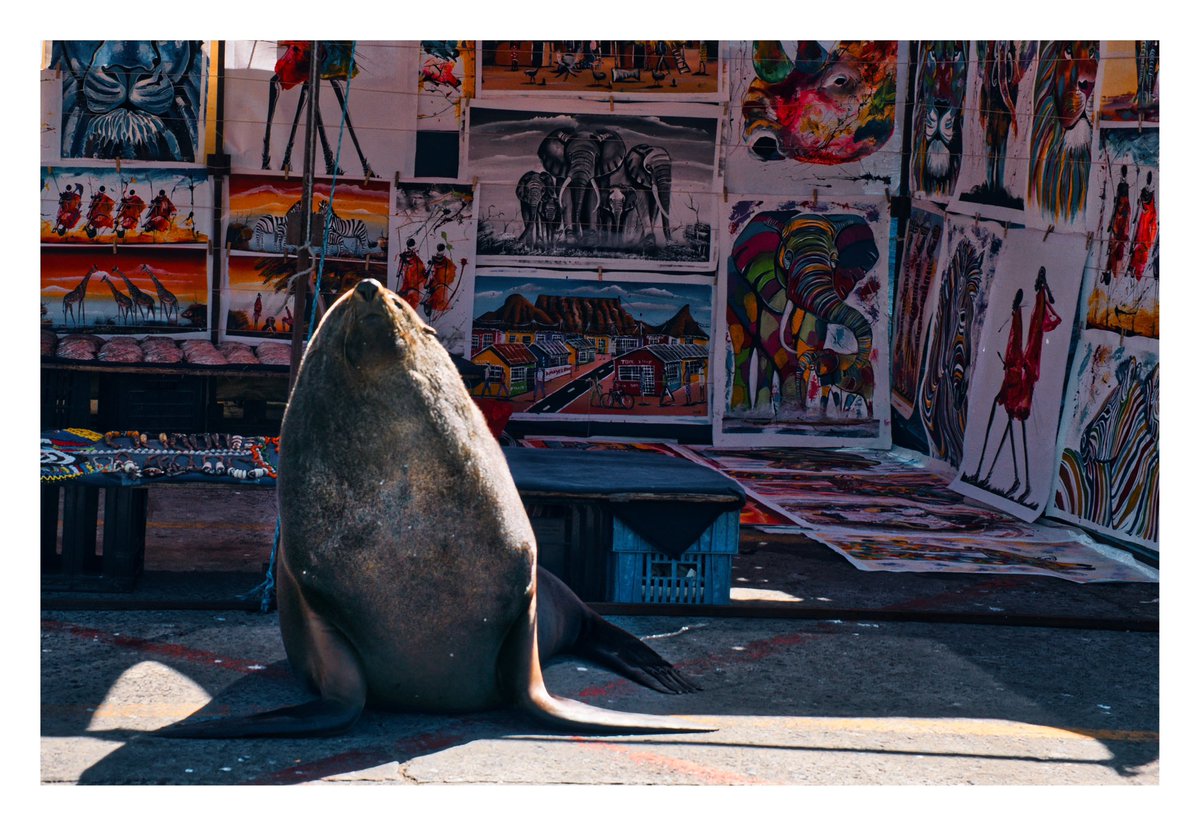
point(124, 302)
point(144, 303)
point(337, 65)
point(167, 301)
point(76, 296)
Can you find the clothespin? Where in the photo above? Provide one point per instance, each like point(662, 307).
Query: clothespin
point(1139, 123)
point(118, 166)
point(210, 246)
point(397, 179)
point(600, 273)
point(114, 245)
point(887, 194)
point(1006, 225)
point(611, 104)
point(287, 171)
point(814, 201)
point(474, 181)
point(1088, 246)
point(724, 191)
point(1049, 230)
point(977, 220)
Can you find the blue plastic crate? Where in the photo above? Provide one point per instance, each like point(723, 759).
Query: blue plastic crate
point(701, 576)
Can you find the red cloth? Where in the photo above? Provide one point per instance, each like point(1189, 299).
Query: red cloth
point(1145, 235)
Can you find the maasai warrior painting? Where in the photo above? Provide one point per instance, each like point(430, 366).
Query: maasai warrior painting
point(132, 100)
point(1016, 398)
point(938, 101)
point(626, 346)
point(805, 320)
point(814, 114)
point(1060, 147)
point(138, 288)
point(89, 205)
point(1000, 106)
point(1124, 195)
point(259, 300)
point(433, 231)
point(1108, 476)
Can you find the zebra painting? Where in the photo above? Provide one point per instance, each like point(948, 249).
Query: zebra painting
point(271, 232)
point(1111, 478)
point(346, 236)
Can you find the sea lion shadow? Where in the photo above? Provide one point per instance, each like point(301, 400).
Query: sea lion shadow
point(377, 740)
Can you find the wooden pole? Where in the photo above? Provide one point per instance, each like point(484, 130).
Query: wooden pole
point(304, 260)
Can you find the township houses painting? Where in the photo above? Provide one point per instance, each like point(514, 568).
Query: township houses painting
point(566, 347)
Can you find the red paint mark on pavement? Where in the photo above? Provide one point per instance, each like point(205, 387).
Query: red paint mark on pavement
point(170, 651)
point(974, 592)
point(650, 759)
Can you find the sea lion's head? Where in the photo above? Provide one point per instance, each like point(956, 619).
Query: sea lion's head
point(374, 328)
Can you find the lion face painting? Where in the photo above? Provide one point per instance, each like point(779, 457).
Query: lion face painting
point(823, 107)
point(131, 99)
point(937, 126)
point(1060, 152)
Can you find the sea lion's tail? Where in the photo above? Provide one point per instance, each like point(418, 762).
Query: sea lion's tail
point(560, 712)
point(318, 718)
point(522, 671)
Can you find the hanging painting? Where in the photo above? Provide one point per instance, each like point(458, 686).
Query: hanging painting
point(809, 115)
point(994, 171)
point(593, 187)
point(131, 205)
point(265, 216)
point(131, 100)
point(630, 346)
point(259, 301)
point(445, 80)
point(1060, 139)
point(805, 308)
point(958, 301)
point(1016, 396)
point(621, 69)
point(918, 268)
point(1124, 193)
point(1129, 93)
point(371, 81)
point(1107, 478)
point(433, 266)
point(138, 288)
point(938, 115)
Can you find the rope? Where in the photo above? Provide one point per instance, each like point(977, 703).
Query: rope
point(266, 590)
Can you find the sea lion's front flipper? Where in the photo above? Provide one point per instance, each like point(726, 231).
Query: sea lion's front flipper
point(520, 668)
point(566, 625)
point(321, 654)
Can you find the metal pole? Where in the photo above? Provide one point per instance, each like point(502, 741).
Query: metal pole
point(304, 259)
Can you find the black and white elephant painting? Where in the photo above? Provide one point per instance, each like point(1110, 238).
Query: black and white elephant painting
point(593, 185)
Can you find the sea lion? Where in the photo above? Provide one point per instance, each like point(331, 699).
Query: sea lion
point(407, 571)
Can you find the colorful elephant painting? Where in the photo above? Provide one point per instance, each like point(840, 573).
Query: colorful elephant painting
point(790, 274)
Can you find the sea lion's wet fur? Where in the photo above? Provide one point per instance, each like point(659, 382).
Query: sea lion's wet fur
point(407, 568)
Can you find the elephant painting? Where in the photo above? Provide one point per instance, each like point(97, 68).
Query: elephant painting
point(601, 195)
point(790, 274)
point(540, 210)
point(580, 162)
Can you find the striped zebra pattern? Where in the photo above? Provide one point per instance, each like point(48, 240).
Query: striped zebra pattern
point(944, 388)
point(271, 231)
point(1111, 480)
point(346, 236)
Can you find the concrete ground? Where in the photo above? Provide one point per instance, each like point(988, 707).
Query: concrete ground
point(819, 674)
